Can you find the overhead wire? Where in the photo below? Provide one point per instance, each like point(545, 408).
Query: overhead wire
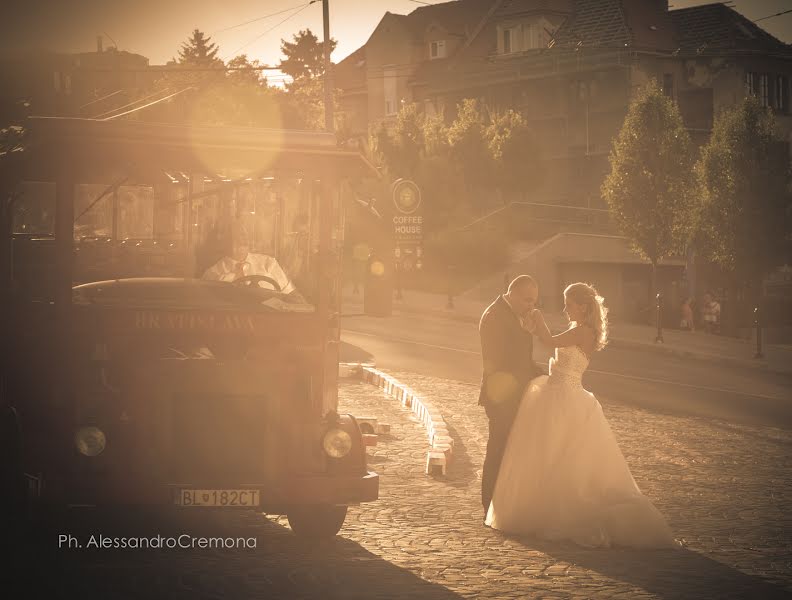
point(149, 104)
point(128, 104)
point(278, 24)
point(110, 95)
point(282, 79)
point(280, 12)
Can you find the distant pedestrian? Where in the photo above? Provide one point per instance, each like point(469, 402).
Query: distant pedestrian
point(710, 313)
point(686, 320)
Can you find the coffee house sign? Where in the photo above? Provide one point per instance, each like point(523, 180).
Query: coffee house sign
point(407, 225)
point(408, 219)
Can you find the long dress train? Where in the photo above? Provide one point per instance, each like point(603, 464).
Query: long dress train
point(563, 475)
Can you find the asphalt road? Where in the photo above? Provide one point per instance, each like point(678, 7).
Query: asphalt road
point(450, 349)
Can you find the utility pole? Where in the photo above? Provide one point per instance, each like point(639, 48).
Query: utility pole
point(328, 78)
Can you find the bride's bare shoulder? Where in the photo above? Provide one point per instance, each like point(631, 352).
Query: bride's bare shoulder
point(587, 337)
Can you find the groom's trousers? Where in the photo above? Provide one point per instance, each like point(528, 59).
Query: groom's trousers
point(501, 417)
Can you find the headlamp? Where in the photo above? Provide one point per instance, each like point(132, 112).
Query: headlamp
point(90, 441)
point(337, 443)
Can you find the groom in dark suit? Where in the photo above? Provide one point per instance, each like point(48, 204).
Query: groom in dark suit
point(507, 352)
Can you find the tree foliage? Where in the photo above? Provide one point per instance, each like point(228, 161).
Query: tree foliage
point(199, 51)
point(435, 136)
point(242, 71)
point(191, 76)
point(241, 98)
point(402, 146)
point(514, 152)
point(468, 145)
point(651, 187)
point(304, 103)
point(743, 174)
point(458, 165)
point(304, 57)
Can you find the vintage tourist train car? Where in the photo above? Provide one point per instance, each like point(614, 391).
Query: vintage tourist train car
point(128, 378)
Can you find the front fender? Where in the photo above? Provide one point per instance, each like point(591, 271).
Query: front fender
point(355, 461)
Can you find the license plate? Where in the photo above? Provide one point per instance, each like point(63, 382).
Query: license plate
point(192, 497)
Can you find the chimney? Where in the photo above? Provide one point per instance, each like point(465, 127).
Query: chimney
point(99, 43)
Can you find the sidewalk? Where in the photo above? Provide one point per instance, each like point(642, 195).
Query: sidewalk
point(683, 344)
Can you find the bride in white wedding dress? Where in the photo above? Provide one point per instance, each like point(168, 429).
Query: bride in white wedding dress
point(563, 476)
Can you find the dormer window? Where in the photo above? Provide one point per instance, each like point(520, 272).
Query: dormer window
point(437, 49)
point(520, 37)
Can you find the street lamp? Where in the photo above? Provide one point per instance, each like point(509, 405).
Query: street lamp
point(659, 338)
point(759, 353)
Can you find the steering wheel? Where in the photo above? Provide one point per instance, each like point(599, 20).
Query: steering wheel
point(251, 280)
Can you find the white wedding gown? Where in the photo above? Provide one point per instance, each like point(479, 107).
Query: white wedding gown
point(563, 476)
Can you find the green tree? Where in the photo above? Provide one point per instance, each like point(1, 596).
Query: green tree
point(192, 76)
point(444, 189)
point(304, 99)
point(435, 135)
point(304, 57)
point(402, 146)
point(304, 104)
point(744, 175)
point(240, 104)
point(242, 71)
point(470, 151)
point(198, 51)
point(515, 153)
point(651, 188)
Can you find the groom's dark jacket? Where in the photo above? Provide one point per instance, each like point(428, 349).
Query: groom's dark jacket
point(507, 353)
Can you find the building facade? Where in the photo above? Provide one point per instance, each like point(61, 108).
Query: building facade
point(86, 84)
point(570, 67)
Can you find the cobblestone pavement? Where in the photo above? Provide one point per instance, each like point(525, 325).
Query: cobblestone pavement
point(725, 490)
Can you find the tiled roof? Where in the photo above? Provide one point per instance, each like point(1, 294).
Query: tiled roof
point(642, 25)
point(351, 72)
point(595, 23)
point(637, 24)
point(458, 16)
point(714, 27)
point(651, 27)
point(514, 7)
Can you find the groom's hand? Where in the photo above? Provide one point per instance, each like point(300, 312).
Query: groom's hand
point(529, 322)
point(536, 317)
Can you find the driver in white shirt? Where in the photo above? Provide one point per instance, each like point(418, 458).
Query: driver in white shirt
point(240, 262)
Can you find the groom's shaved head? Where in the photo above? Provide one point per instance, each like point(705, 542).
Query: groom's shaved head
point(522, 295)
point(522, 281)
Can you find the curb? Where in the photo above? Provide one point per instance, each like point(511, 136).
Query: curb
point(757, 365)
point(441, 445)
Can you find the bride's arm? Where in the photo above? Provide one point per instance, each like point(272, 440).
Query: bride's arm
point(574, 336)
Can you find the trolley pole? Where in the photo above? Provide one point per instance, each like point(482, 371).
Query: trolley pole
point(328, 75)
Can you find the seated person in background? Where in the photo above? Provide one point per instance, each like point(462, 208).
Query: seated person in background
point(240, 262)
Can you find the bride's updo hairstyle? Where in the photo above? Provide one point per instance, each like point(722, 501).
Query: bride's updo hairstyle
point(596, 315)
